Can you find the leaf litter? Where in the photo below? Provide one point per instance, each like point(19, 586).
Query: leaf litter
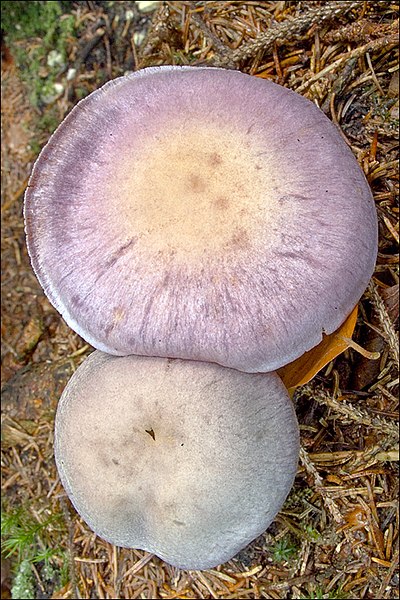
point(338, 532)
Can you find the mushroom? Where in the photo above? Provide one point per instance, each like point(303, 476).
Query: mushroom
point(185, 459)
point(201, 214)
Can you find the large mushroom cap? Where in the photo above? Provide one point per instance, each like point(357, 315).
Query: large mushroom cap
point(200, 213)
point(185, 459)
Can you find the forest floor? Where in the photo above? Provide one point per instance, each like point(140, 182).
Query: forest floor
point(337, 535)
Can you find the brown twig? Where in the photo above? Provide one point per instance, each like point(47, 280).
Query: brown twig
point(343, 407)
point(219, 47)
point(385, 42)
point(319, 485)
point(289, 30)
point(361, 31)
point(386, 323)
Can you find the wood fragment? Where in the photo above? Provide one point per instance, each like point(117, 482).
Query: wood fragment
point(218, 46)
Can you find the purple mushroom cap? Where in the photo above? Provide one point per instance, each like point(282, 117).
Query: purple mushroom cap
point(203, 214)
point(185, 459)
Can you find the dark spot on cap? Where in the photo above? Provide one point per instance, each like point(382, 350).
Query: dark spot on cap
point(196, 183)
point(215, 159)
point(222, 203)
point(151, 433)
point(240, 238)
point(181, 523)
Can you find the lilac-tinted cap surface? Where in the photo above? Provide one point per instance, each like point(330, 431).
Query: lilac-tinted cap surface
point(185, 459)
point(203, 214)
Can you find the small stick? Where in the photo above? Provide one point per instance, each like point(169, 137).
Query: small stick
point(386, 323)
point(385, 42)
point(289, 29)
point(353, 413)
point(219, 47)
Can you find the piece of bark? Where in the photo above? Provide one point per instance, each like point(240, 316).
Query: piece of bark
point(35, 389)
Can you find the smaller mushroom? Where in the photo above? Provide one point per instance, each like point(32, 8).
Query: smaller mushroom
point(188, 460)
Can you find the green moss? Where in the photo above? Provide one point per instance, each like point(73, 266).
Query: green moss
point(284, 549)
point(24, 585)
point(24, 23)
point(26, 542)
point(21, 20)
point(319, 594)
point(44, 20)
point(312, 534)
point(49, 121)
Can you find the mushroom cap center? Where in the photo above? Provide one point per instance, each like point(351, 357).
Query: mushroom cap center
point(193, 189)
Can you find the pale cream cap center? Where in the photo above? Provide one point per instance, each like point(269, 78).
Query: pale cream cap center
point(194, 190)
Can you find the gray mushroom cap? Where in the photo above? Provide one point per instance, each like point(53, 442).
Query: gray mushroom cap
point(188, 460)
point(200, 213)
